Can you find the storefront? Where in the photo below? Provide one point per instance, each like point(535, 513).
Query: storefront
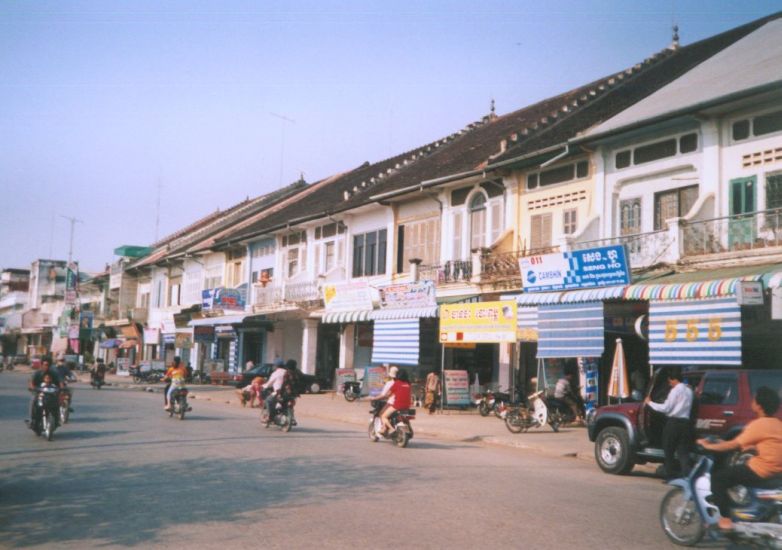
point(348, 306)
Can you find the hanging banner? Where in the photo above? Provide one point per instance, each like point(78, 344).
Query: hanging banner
point(571, 330)
point(588, 369)
point(482, 322)
point(72, 284)
point(355, 296)
point(420, 294)
point(204, 334)
point(588, 268)
point(457, 387)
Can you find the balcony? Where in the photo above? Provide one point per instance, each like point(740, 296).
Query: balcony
point(452, 271)
point(643, 249)
point(272, 295)
point(138, 314)
point(754, 231)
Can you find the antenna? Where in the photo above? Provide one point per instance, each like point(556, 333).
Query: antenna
point(73, 221)
point(284, 119)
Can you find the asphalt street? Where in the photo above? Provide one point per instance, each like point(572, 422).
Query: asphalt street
point(124, 474)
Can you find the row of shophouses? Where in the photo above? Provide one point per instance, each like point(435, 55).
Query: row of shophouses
point(676, 162)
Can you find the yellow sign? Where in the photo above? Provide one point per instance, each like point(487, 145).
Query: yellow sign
point(481, 322)
point(460, 345)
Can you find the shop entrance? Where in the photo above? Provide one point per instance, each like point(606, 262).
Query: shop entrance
point(327, 354)
point(252, 346)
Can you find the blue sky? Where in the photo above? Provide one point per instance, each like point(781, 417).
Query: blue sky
point(103, 101)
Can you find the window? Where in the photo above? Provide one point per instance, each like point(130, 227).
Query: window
point(540, 231)
point(263, 248)
point(774, 191)
point(234, 274)
point(673, 204)
point(421, 240)
point(159, 294)
point(369, 253)
point(766, 124)
point(740, 130)
point(560, 174)
point(263, 275)
point(630, 217)
point(459, 196)
point(623, 159)
point(458, 228)
point(478, 221)
point(654, 151)
point(174, 295)
point(293, 261)
point(144, 300)
point(688, 143)
point(569, 221)
point(720, 390)
point(329, 246)
point(296, 253)
point(532, 181)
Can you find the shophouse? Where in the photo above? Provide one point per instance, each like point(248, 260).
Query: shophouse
point(45, 304)
point(14, 293)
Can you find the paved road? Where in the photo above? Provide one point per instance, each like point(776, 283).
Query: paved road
point(122, 474)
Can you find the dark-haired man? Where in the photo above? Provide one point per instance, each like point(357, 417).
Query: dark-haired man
point(765, 435)
point(677, 433)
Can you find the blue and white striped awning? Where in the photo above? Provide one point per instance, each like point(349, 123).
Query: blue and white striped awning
point(404, 313)
point(346, 316)
point(695, 332)
point(568, 296)
point(396, 341)
point(527, 323)
point(571, 330)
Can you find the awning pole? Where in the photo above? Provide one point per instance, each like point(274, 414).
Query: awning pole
point(442, 377)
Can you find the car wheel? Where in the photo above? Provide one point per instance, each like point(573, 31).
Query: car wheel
point(314, 387)
point(612, 451)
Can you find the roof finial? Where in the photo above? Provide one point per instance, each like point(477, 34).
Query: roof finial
point(675, 42)
point(492, 114)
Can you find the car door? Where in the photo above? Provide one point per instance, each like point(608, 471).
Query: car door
point(719, 403)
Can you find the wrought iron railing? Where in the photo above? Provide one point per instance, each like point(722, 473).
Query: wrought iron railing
point(644, 249)
point(753, 230)
point(452, 271)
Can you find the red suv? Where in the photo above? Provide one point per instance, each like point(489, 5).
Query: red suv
point(630, 433)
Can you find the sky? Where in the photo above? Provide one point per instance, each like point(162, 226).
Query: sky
point(139, 117)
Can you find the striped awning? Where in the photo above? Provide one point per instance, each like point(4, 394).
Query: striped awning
point(571, 330)
point(567, 297)
point(404, 313)
point(527, 324)
point(695, 332)
point(396, 341)
point(347, 316)
point(773, 280)
point(715, 288)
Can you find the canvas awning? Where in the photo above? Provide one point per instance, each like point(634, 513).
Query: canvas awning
point(347, 316)
point(404, 313)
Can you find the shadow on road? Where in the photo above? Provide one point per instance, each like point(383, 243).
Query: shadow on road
point(161, 495)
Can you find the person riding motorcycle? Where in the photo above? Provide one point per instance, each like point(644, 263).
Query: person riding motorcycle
point(564, 392)
point(397, 394)
point(99, 372)
point(35, 382)
point(66, 375)
point(275, 382)
point(176, 376)
point(764, 434)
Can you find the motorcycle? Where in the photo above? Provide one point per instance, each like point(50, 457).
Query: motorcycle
point(46, 411)
point(491, 402)
point(283, 413)
point(534, 413)
point(686, 513)
point(147, 376)
point(351, 391)
point(97, 379)
point(402, 431)
point(178, 402)
point(560, 412)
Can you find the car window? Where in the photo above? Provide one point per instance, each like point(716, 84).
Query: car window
point(721, 389)
point(771, 379)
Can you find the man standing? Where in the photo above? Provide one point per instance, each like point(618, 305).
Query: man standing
point(677, 434)
point(432, 391)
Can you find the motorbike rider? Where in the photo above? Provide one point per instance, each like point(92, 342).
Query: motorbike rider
point(397, 394)
point(65, 373)
point(99, 372)
point(176, 376)
point(564, 392)
point(35, 382)
point(764, 434)
point(275, 382)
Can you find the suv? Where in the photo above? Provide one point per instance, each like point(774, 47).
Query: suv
point(630, 433)
point(307, 383)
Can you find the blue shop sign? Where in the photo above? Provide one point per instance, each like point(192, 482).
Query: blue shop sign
point(587, 268)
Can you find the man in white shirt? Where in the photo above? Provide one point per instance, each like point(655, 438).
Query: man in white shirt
point(275, 381)
point(677, 434)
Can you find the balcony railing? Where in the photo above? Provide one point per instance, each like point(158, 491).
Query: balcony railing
point(754, 230)
point(452, 271)
point(644, 249)
point(139, 314)
point(276, 295)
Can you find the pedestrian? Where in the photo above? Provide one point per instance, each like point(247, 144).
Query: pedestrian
point(677, 434)
point(432, 389)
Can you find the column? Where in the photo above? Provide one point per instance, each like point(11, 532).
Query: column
point(309, 345)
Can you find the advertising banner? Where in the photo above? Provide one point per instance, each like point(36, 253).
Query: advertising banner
point(588, 268)
point(151, 336)
point(228, 298)
point(374, 380)
point(481, 322)
point(355, 296)
point(72, 284)
point(204, 334)
point(457, 387)
point(123, 366)
point(183, 341)
point(408, 295)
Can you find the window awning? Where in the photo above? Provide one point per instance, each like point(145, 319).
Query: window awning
point(571, 330)
point(396, 341)
point(568, 296)
point(221, 320)
point(347, 316)
point(404, 313)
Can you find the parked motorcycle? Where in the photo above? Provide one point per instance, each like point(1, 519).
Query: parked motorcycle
point(351, 391)
point(534, 413)
point(560, 412)
point(178, 402)
point(402, 431)
point(491, 402)
point(46, 411)
point(283, 416)
point(97, 379)
point(147, 377)
point(686, 514)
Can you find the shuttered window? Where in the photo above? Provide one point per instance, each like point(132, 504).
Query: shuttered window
point(540, 231)
point(421, 240)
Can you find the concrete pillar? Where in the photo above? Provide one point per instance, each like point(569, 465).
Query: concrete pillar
point(711, 166)
point(309, 345)
point(346, 349)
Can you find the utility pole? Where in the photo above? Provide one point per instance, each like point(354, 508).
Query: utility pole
point(284, 119)
point(73, 221)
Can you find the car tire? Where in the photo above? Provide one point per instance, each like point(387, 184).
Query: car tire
point(612, 451)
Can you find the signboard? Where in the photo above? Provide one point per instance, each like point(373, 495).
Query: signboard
point(151, 336)
point(408, 295)
point(588, 268)
point(228, 298)
point(123, 366)
point(207, 298)
point(355, 296)
point(482, 322)
point(72, 284)
point(204, 334)
point(457, 387)
point(183, 341)
point(374, 380)
point(344, 375)
point(749, 293)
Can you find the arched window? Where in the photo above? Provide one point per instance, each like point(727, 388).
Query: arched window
point(477, 221)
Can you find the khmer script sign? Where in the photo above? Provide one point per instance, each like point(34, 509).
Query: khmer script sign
point(588, 268)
